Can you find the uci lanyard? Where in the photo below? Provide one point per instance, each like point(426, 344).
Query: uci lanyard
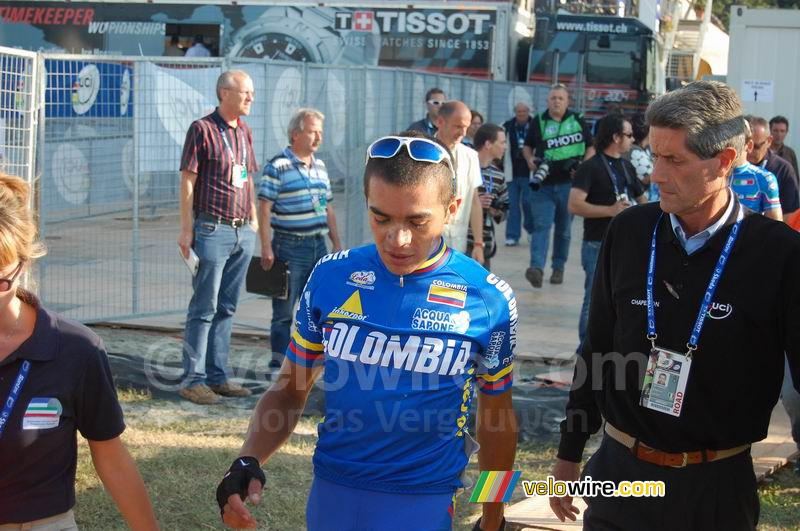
point(612, 173)
point(228, 145)
point(16, 389)
point(707, 298)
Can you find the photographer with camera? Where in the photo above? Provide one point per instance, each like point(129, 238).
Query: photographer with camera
point(556, 144)
point(603, 187)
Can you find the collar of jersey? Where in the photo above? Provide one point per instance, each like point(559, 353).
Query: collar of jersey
point(436, 260)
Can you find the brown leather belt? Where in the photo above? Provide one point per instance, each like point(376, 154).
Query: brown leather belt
point(660, 458)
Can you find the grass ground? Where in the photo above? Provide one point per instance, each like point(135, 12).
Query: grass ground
point(182, 452)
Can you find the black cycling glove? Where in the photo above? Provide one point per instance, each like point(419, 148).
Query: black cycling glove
point(237, 480)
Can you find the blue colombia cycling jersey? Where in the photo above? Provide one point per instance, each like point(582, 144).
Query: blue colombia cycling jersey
point(401, 359)
point(756, 188)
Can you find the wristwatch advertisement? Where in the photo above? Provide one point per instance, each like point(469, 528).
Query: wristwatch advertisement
point(305, 35)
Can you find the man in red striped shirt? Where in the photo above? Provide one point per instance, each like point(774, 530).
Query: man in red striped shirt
point(218, 222)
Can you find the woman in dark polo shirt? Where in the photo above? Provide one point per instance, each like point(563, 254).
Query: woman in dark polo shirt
point(54, 382)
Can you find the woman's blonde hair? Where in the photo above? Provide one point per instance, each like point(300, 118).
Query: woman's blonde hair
point(18, 233)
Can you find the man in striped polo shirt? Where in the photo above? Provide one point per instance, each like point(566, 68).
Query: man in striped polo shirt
point(218, 221)
point(295, 214)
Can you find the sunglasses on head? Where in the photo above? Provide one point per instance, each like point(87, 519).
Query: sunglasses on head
point(6, 283)
point(419, 149)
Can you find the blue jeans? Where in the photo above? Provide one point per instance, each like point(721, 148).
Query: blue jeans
point(590, 250)
point(224, 254)
point(791, 401)
point(549, 206)
point(302, 253)
point(518, 194)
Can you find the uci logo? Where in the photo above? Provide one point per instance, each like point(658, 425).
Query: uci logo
point(719, 310)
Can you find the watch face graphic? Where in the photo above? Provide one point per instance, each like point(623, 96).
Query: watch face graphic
point(276, 46)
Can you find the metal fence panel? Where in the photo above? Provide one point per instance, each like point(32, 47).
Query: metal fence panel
point(19, 105)
point(115, 130)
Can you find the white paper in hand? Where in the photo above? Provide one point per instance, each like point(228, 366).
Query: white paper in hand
point(193, 262)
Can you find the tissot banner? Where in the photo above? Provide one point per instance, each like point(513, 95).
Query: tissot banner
point(441, 40)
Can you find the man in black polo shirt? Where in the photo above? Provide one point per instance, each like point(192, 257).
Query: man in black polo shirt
point(764, 157)
point(705, 293)
point(518, 190)
point(604, 186)
point(218, 222)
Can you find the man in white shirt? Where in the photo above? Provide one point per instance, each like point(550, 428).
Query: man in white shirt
point(452, 122)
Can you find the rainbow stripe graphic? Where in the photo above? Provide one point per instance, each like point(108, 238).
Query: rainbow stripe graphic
point(495, 487)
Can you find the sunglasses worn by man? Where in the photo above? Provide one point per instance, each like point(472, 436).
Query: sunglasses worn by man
point(419, 149)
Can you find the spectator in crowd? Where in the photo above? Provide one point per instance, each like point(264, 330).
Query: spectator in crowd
point(198, 48)
point(557, 142)
point(295, 214)
point(697, 246)
point(54, 382)
point(452, 123)
point(756, 188)
point(517, 129)
point(434, 99)
point(640, 155)
point(218, 221)
point(604, 186)
point(490, 141)
point(393, 476)
point(474, 125)
point(779, 128)
point(173, 49)
point(762, 156)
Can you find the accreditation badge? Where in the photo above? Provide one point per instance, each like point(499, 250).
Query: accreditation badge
point(239, 175)
point(664, 386)
point(42, 414)
point(320, 203)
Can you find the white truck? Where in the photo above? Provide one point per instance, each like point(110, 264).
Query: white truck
point(764, 63)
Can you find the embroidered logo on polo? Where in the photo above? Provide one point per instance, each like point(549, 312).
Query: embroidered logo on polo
point(42, 414)
point(362, 279)
point(447, 293)
point(351, 309)
point(719, 310)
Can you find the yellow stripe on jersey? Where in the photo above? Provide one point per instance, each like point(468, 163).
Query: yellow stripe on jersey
point(495, 377)
point(308, 345)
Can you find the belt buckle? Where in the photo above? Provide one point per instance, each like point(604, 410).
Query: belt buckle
point(685, 460)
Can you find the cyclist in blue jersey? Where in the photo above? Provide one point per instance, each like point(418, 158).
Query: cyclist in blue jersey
point(405, 330)
point(756, 187)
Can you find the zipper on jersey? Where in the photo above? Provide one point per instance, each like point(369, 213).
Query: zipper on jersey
point(401, 281)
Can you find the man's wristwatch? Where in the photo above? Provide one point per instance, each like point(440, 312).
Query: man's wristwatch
point(307, 35)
